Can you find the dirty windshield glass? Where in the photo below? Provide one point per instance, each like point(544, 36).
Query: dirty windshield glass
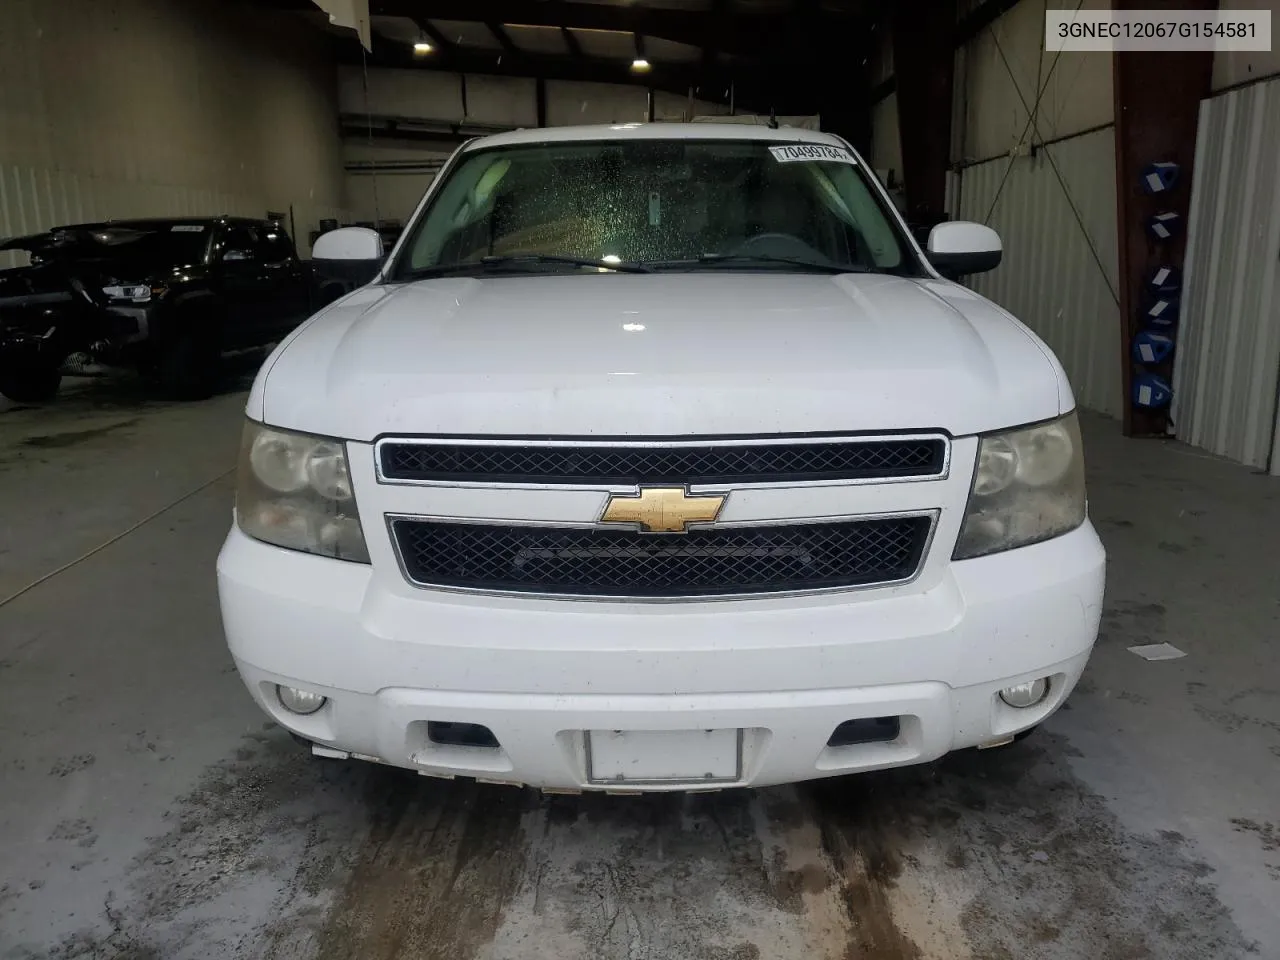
point(655, 204)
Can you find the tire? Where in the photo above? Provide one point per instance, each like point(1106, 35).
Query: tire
point(187, 368)
point(33, 384)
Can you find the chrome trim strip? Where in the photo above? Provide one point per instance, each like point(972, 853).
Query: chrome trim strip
point(791, 440)
point(933, 515)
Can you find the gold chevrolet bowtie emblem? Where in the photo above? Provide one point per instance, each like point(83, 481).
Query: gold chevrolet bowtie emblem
point(663, 509)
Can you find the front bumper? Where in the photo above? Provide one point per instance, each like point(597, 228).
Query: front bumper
point(106, 333)
point(538, 673)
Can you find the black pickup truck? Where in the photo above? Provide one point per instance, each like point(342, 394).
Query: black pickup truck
point(166, 297)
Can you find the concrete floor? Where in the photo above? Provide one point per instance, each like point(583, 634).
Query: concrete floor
point(149, 812)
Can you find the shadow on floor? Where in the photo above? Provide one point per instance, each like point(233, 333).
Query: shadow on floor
point(125, 390)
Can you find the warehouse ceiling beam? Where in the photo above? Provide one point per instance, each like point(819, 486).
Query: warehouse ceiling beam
point(745, 30)
point(504, 39)
point(571, 43)
point(786, 90)
point(725, 29)
point(981, 17)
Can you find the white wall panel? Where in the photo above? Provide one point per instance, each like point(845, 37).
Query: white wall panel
point(1232, 67)
point(1058, 275)
point(673, 108)
point(393, 151)
point(502, 101)
point(570, 103)
point(118, 108)
point(886, 141)
point(426, 94)
point(401, 174)
point(1225, 384)
point(1002, 69)
point(387, 195)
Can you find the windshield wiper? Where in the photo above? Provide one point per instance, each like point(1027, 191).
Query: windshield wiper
point(621, 266)
point(748, 259)
point(517, 262)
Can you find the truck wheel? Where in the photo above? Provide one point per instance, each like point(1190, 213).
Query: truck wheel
point(31, 384)
point(188, 366)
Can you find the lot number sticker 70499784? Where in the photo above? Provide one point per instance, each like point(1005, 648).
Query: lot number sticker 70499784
point(793, 152)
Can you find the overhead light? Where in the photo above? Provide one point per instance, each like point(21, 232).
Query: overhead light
point(640, 65)
point(422, 47)
point(611, 258)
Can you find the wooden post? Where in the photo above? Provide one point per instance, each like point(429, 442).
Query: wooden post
point(1157, 108)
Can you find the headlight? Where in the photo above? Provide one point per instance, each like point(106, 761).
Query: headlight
point(135, 292)
point(294, 490)
point(1028, 486)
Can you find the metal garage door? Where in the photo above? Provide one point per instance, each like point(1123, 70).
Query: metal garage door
point(1228, 364)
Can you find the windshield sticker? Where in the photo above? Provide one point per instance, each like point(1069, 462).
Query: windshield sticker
point(794, 152)
point(187, 228)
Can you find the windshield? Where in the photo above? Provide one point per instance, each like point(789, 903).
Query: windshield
point(659, 204)
point(164, 243)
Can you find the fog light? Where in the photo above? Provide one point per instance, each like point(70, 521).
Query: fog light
point(302, 702)
point(1025, 694)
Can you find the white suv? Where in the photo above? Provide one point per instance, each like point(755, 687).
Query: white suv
point(660, 457)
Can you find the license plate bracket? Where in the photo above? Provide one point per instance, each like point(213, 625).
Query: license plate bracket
point(663, 757)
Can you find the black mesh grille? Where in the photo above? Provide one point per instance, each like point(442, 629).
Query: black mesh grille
point(756, 462)
point(726, 560)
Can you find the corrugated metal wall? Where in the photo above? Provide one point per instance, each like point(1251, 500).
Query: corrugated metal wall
point(135, 108)
point(1054, 206)
point(1060, 261)
point(1228, 361)
point(33, 199)
point(1006, 75)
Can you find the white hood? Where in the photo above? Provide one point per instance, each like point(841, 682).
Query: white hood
point(665, 354)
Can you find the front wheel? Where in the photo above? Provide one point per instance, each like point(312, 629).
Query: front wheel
point(31, 384)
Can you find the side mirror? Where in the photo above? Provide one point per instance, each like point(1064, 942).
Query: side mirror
point(233, 256)
point(959, 248)
point(348, 243)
